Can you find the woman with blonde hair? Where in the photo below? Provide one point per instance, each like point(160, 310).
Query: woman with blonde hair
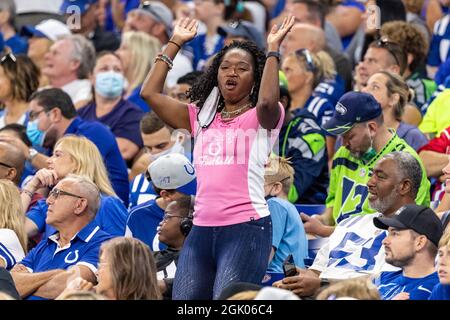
point(76, 155)
point(137, 52)
point(126, 271)
point(13, 239)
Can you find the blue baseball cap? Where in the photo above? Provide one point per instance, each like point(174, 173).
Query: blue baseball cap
point(353, 107)
point(82, 4)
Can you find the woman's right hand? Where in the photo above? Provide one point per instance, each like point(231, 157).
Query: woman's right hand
point(184, 31)
point(42, 178)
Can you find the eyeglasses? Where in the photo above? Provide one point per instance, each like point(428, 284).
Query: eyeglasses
point(147, 5)
point(8, 57)
point(308, 58)
point(167, 216)
point(55, 193)
point(6, 165)
point(389, 46)
point(33, 115)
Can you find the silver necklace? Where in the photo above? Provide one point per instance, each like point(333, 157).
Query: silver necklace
point(230, 114)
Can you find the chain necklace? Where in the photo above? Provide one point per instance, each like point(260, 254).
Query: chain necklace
point(230, 114)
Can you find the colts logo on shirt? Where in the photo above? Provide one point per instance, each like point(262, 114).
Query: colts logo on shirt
point(341, 109)
point(68, 258)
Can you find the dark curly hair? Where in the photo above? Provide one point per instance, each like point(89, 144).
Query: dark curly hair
point(201, 88)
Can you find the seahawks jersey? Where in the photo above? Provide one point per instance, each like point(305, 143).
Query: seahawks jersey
point(348, 191)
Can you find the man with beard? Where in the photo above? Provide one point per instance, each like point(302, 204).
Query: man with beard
point(355, 247)
point(411, 244)
point(359, 120)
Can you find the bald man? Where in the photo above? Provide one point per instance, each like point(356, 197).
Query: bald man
point(305, 36)
point(12, 162)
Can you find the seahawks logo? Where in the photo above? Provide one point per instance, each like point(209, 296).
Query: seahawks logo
point(341, 109)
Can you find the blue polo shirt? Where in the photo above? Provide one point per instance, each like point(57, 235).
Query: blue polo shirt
point(111, 216)
point(83, 249)
point(123, 120)
point(143, 222)
point(391, 283)
point(18, 44)
point(106, 143)
point(440, 292)
point(440, 43)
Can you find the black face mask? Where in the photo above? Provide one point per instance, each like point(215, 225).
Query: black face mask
point(269, 197)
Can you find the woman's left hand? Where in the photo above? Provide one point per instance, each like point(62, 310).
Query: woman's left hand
point(277, 35)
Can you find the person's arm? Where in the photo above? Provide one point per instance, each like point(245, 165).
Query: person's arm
point(315, 226)
point(171, 111)
point(305, 284)
point(42, 178)
point(433, 162)
point(128, 149)
point(433, 13)
point(444, 205)
point(118, 13)
point(57, 284)
point(27, 283)
point(267, 108)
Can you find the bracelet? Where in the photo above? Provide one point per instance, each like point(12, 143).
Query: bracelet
point(166, 59)
point(27, 192)
point(275, 54)
point(179, 47)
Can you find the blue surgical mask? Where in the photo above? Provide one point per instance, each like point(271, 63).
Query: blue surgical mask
point(35, 135)
point(109, 84)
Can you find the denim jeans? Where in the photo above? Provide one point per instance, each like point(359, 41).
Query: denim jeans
point(214, 257)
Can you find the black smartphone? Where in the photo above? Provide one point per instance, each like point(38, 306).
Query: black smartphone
point(289, 267)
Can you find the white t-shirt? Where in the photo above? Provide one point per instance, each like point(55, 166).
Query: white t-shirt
point(79, 90)
point(11, 251)
point(354, 249)
point(181, 65)
point(3, 115)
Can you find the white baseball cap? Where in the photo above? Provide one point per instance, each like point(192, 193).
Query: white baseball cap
point(51, 29)
point(173, 172)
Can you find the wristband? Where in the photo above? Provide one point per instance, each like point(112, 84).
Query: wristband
point(166, 59)
point(173, 42)
point(27, 192)
point(275, 54)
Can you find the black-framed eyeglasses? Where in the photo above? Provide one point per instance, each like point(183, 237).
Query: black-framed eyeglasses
point(6, 165)
point(310, 66)
point(55, 193)
point(167, 216)
point(9, 57)
point(147, 5)
point(33, 115)
point(388, 45)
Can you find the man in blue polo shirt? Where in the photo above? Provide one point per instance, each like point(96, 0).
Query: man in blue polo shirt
point(53, 115)
point(43, 273)
point(172, 176)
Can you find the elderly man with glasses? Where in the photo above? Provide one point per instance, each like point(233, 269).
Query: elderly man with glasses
point(72, 250)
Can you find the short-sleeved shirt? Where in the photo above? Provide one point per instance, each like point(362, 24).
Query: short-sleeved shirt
point(354, 249)
point(230, 173)
point(103, 138)
point(437, 117)
point(123, 120)
point(111, 216)
point(11, 250)
point(78, 90)
point(302, 141)
point(23, 120)
point(348, 191)
point(440, 43)
point(83, 249)
point(320, 107)
point(391, 284)
point(288, 234)
point(440, 292)
point(331, 89)
point(412, 135)
point(143, 222)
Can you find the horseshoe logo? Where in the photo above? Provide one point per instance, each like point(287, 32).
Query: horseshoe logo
point(67, 260)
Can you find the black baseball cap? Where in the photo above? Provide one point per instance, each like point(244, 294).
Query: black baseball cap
point(421, 219)
point(353, 107)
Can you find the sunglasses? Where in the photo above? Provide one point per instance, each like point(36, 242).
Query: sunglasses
point(389, 46)
point(9, 57)
point(6, 165)
point(55, 193)
point(308, 58)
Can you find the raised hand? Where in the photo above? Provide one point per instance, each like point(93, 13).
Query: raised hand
point(42, 178)
point(277, 35)
point(184, 30)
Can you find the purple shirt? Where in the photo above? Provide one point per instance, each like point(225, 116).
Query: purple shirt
point(123, 120)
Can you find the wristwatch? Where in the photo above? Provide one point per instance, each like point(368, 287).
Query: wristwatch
point(33, 153)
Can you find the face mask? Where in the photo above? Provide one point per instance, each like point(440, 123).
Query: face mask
point(176, 148)
point(109, 84)
point(35, 135)
point(370, 153)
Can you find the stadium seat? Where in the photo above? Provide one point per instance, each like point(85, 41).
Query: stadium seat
point(314, 246)
point(310, 209)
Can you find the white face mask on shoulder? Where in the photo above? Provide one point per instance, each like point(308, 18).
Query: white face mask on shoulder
point(176, 148)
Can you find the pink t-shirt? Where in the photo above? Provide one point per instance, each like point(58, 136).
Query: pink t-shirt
point(229, 159)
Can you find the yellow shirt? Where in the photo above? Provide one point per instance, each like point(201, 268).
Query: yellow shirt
point(437, 117)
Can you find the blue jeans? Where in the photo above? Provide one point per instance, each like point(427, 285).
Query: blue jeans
point(214, 257)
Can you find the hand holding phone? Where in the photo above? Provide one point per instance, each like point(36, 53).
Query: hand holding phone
point(289, 267)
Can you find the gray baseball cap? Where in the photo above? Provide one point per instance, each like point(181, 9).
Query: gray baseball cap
point(242, 29)
point(158, 11)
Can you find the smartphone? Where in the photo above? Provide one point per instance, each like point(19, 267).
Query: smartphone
point(289, 267)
